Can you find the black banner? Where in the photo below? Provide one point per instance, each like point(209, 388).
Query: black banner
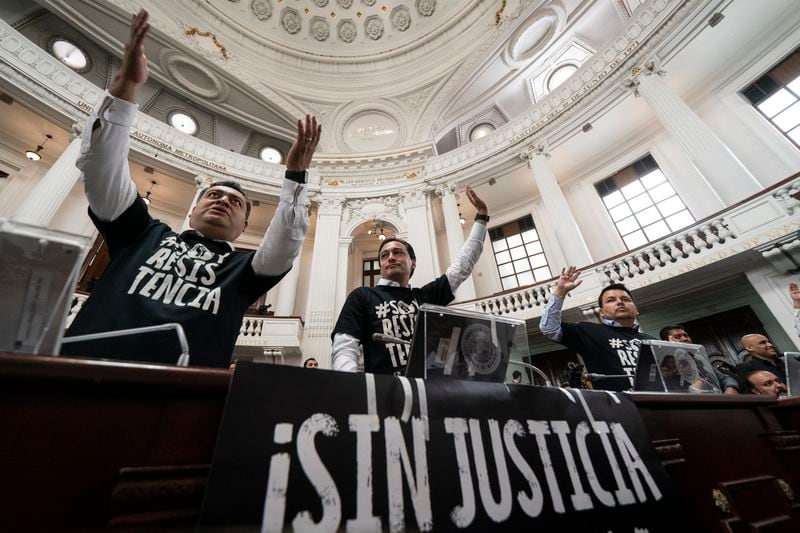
point(304, 450)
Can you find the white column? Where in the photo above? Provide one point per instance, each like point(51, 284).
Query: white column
point(566, 227)
point(320, 309)
point(726, 175)
point(455, 235)
point(415, 203)
point(47, 196)
point(201, 182)
point(286, 291)
point(345, 249)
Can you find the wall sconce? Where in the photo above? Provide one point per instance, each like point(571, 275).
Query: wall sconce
point(149, 192)
point(34, 155)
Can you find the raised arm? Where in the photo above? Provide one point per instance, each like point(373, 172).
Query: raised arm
point(464, 263)
point(550, 323)
point(105, 138)
point(285, 235)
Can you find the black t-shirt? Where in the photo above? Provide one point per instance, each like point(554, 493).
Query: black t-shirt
point(605, 350)
point(391, 311)
point(157, 276)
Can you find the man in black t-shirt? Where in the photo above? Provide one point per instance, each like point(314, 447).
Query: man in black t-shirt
point(761, 355)
point(610, 348)
point(391, 307)
point(156, 275)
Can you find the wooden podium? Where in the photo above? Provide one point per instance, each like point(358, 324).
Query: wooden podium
point(92, 445)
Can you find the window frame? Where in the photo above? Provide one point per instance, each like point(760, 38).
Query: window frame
point(524, 224)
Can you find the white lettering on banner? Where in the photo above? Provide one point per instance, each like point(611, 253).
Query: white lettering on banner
point(407, 471)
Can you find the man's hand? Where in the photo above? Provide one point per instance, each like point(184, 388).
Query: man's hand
point(567, 281)
point(794, 292)
point(480, 205)
point(133, 72)
point(305, 144)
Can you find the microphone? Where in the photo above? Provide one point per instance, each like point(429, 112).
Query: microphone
point(593, 377)
point(380, 337)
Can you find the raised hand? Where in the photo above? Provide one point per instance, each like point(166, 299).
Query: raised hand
point(567, 281)
point(475, 200)
point(305, 144)
point(794, 292)
point(133, 72)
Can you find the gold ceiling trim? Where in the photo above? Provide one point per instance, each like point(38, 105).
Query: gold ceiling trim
point(194, 31)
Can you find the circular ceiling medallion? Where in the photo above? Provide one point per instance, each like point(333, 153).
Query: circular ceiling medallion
point(400, 18)
point(262, 9)
point(426, 7)
point(193, 76)
point(290, 20)
point(372, 130)
point(346, 30)
point(373, 27)
point(319, 29)
point(533, 36)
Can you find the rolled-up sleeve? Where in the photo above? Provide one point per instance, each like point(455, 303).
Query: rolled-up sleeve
point(550, 323)
point(284, 237)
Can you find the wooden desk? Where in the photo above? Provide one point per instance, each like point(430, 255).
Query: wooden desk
point(86, 444)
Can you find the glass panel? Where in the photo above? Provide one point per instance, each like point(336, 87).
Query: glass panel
point(634, 240)
point(620, 212)
point(661, 192)
point(509, 282)
point(505, 270)
point(533, 248)
point(795, 86)
point(657, 230)
point(615, 198)
point(670, 206)
point(632, 189)
point(628, 225)
point(518, 252)
point(366, 265)
point(542, 274)
point(648, 216)
point(366, 281)
point(522, 265)
point(526, 278)
point(680, 220)
point(640, 202)
point(499, 245)
point(776, 103)
point(795, 135)
point(502, 257)
point(653, 179)
point(514, 240)
point(538, 261)
point(530, 235)
point(788, 119)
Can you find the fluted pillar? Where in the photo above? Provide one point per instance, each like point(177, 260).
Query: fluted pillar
point(555, 204)
point(455, 234)
point(341, 272)
point(320, 309)
point(286, 291)
point(200, 182)
point(415, 204)
point(726, 175)
point(46, 198)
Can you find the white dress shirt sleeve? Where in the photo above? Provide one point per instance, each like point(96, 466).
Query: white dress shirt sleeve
point(464, 263)
point(284, 237)
point(345, 353)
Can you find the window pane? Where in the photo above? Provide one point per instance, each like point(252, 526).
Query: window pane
point(628, 225)
point(653, 179)
point(514, 240)
point(620, 212)
point(788, 119)
point(680, 220)
point(538, 261)
point(376, 265)
point(542, 274)
point(530, 235)
point(502, 257)
point(661, 192)
point(533, 248)
point(632, 189)
point(640, 202)
point(634, 240)
point(499, 245)
point(509, 282)
point(615, 198)
point(522, 265)
point(366, 265)
point(670, 206)
point(648, 216)
point(776, 103)
point(795, 135)
point(656, 231)
point(518, 252)
point(366, 281)
point(795, 86)
point(506, 270)
point(526, 278)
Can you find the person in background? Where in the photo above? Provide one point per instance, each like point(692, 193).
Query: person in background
point(676, 333)
point(310, 363)
point(761, 355)
point(516, 377)
point(764, 383)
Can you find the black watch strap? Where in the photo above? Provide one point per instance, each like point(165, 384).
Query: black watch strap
point(297, 175)
point(479, 216)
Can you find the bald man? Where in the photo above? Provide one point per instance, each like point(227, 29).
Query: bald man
point(766, 384)
point(762, 356)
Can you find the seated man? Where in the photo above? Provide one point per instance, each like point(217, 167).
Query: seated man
point(761, 355)
point(610, 348)
point(391, 307)
point(765, 383)
point(156, 275)
point(675, 333)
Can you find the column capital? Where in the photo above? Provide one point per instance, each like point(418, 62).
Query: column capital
point(533, 150)
point(329, 205)
point(446, 189)
point(414, 197)
point(649, 67)
point(201, 181)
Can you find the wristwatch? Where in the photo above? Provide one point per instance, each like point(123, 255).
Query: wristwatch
point(479, 216)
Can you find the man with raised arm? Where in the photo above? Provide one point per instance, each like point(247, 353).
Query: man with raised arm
point(391, 307)
point(156, 276)
point(610, 348)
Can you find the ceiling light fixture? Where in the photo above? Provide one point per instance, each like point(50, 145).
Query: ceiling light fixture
point(149, 192)
point(461, 219)
point(34, 155)
point(381, 237)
